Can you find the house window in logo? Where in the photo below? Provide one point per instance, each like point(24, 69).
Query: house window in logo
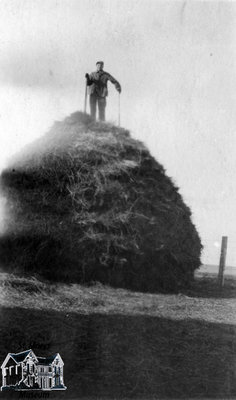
point(25, 371)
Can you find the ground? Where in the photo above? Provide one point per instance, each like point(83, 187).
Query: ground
point(122, 344)
point(203, 301)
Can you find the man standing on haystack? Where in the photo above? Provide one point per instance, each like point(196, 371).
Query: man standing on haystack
point(97, 82)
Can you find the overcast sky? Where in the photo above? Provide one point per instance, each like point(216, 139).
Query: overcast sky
point(176, 64)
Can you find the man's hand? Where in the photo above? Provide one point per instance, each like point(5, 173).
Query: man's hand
point(87, 76)
point(119, 89)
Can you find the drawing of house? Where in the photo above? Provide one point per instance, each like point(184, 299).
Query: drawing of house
point(23, 371)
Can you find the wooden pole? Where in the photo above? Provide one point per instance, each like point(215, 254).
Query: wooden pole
point(222, 261)
point(119, 110)
point(85, 98)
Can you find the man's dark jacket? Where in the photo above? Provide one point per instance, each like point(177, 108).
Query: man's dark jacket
point(97, 83)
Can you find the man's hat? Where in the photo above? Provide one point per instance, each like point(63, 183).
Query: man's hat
point(100, 62)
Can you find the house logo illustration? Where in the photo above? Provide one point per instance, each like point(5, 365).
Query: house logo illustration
point(25, 371)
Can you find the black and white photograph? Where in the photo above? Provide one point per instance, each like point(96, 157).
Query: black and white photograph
point(117, 199)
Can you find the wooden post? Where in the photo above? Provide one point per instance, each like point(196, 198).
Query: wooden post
point(119, 110)
point(85, 98)
point(222, 261)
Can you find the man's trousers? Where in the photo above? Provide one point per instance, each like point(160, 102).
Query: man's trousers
point(101, 102)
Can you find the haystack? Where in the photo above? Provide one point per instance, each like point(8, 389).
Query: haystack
point(89, 203)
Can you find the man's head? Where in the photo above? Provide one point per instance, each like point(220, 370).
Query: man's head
point(99, 65)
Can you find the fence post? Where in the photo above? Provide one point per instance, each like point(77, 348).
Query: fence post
point(222, 261)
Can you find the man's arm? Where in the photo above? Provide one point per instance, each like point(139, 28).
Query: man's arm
point(89, 79)
point(115, 82)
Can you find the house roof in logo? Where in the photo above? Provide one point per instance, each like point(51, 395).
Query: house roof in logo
point(49, 360)
point(18, 357)
point(46, 360)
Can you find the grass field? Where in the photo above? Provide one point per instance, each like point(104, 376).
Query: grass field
point(203, 301)
point(120, 344)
